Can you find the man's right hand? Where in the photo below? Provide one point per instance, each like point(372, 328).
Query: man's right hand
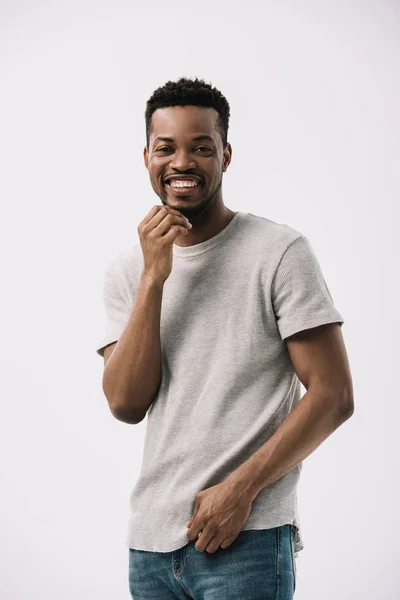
point(157, 232)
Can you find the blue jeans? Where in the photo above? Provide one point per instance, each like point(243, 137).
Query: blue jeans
point(258, 565)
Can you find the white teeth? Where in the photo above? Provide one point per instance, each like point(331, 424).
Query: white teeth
point(182, 183)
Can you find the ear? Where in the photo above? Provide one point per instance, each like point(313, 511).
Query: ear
point(146, 157)
point(227, 156)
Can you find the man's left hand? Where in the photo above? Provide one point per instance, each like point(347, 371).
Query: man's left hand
point(219, 515)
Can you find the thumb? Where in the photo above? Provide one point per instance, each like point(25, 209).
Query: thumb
point(196, 508)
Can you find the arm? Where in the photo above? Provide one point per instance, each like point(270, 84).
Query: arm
point(132, 373)
point(320, 361)
point(132, 370)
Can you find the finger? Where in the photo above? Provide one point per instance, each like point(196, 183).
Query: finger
point(199, 526)
point(227, 542)
point(155, 210)
point(162, 224)
point(213, 545)
point(203, 541)
point(173, 233)
point(168, 210)
point(194, 530)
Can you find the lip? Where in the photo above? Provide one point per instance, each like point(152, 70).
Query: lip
point(182, 191)
point(183, 176)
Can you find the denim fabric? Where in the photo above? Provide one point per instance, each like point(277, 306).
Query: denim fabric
point(258, 565)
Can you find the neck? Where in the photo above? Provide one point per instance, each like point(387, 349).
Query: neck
point(206, 225)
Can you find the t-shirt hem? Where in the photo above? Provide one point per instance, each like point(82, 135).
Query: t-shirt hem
point(309, 324)
point(256, 525)
point(106, 342)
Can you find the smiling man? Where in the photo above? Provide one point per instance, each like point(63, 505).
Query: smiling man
point(186, 159)
point(213, 321)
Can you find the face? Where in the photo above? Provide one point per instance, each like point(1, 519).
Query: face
point(182, 154)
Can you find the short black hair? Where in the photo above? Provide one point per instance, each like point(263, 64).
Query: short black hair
point(189, 92)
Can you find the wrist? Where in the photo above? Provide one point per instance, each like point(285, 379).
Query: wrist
point(244, 483)
point(151, 280)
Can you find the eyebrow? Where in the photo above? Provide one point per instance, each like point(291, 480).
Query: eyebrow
point(197, 138)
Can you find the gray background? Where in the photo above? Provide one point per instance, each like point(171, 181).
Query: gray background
point(314, 95)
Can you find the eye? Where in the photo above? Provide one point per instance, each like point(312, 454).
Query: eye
point(166, 148)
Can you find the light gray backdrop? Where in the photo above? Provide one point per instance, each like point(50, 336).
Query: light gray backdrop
point(314, 94)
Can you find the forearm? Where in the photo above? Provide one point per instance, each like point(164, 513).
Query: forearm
point(132, 374)
point(313, 419)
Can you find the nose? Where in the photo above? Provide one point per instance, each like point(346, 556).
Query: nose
point(183, 161)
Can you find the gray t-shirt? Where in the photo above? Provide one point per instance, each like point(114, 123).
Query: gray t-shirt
point(227, 378)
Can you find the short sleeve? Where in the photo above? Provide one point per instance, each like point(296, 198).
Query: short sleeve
point(300, 295)
point(117, 313)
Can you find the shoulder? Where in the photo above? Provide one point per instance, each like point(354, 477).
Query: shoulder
point(126, 265)
point(276, 237)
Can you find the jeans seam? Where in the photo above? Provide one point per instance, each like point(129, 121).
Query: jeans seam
point(278, 560)
point(184, 554)
point(183, 587)
point(292, 542)
point(178, 572)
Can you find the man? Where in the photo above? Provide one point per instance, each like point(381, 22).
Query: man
point(213, 320)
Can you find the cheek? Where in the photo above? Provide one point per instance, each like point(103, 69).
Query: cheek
point(155, 173)
point(156, 170)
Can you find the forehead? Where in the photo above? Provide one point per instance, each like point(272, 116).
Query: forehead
point(184, 121)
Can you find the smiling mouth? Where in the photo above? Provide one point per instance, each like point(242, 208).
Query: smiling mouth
point(183, 190)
